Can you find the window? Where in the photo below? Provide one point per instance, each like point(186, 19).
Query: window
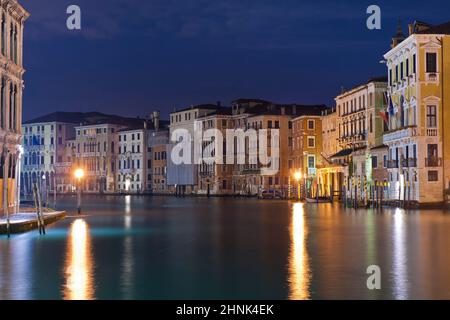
point(407, 67)
point(414, 63)
point(311, 124)
point(401, 70)
point(396, 73)
point(311, 142)
point(371, 123)
point(311, 162)
point(433, 175)
point(431, 117)
point(374, 162)
point(384, 161)
point(431, 62)
point(269, 124)
point(277, 124)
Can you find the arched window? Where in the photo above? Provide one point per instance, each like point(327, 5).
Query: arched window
point(2, 104)
point(3, 35)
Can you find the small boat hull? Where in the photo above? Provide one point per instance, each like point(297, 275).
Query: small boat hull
point(318, 200)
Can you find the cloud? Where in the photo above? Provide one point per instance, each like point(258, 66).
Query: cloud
point(184, 19)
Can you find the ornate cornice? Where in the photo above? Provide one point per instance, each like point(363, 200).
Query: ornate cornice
point(15, 9)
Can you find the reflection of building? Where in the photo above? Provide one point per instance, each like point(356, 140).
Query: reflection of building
point(12, 18)
point(419, 90)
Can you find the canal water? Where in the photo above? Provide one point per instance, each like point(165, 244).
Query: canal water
point(224, 248)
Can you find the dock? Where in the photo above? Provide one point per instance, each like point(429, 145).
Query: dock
point(27, 221)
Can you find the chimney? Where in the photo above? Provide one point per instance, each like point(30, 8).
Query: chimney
point(294, 110)
point(283, 110)
point(155, 119)
point(410, 29)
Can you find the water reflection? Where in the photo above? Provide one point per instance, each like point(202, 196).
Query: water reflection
point(399, 256)
point(299, 269)
point(79, 263)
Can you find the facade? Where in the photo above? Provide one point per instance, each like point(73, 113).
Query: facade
point(361, 128)
point(132, 161)
point(215, 178)
point(184, 177)
point(157, 147)
point(44, 142)
point(330, 133)
point(12, 18)
point(419, 95)
point(96, 152)
point(306, 155)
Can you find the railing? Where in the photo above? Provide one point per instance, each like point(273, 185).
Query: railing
point(432, 132)
point(392, 164)
point(412, 162)
point(433, 162)
point(409, 163)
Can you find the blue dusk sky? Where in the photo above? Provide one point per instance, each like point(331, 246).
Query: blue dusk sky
point(135, 56)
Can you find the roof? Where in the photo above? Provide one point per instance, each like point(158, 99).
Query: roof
point(246, 100)
point(370, 80)
point(381, 146)
point(91, 118)
point(201, 106)
point(443, 28)
point(346, 152)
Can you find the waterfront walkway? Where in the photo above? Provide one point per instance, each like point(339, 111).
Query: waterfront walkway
point(23, 222)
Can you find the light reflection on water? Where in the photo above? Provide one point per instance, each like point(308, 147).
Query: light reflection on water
point(79, 263)
point(195, 248)
point(299, 270)
point(399, 256)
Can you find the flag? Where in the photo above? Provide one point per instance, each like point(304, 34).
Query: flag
point(385, 116)
point(391, 110)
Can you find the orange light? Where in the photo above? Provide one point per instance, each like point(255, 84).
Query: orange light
point(298, 175)
point(79, 173)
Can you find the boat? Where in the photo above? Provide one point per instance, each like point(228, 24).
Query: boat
point(318, 200)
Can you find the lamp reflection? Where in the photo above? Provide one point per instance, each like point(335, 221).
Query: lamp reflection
point(79, 265)
point(299, 269)
point(399, 257)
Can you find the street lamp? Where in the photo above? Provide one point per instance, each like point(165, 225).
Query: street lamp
point(298, 177)
point(79, 174)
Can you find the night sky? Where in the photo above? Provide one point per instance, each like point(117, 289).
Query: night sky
point(135, 56)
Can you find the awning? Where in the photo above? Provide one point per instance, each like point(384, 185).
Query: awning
point(342, 153)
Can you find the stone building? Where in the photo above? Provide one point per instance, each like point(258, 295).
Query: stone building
point(44, 142)
point(12, 18)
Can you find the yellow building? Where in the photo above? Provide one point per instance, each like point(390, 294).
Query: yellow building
point(419, 91)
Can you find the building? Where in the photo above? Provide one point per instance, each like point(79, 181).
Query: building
point(44, 142)
point(330, 134)
point(158, 145)
point(184, 177)
point(132, 161)
point(215, 178)
point(419, 104)
point(12, 19)
point(360, 130)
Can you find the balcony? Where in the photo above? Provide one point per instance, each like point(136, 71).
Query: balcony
point(392, 164)
point(433, 162)
point(400, 133)
point(432, 132)
point(432, 76)
point(409, 163)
